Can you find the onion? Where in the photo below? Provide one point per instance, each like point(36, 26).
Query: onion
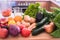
point(32, 20)
point(27, 24)
point(27, 18)
point(32, 26)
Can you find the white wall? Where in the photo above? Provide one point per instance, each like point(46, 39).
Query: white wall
point(4, 4)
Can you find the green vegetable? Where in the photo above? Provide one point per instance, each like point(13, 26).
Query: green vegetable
point(56, 11)
point(57, 20)
point(51, 15)
point(56, 33)
point(37, 31)
point(32, 10)
point(48, 14)
point(42, 22)
point(40, 26)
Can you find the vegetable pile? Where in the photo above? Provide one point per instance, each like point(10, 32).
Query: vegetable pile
point(46, 21)
point(34, 21)
point(15, 27)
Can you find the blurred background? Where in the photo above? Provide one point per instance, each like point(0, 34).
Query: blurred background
point(21, 5)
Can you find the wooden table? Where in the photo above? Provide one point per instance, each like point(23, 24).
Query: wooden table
point(42, 36)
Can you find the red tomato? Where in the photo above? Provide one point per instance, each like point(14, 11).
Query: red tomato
point(3, 32)
point(25, 32)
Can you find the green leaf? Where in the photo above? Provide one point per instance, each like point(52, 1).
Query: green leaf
point(32, 10)
point(56, 33)
point(57, 20)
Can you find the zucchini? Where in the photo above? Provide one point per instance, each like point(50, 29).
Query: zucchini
point(39, 30)
point(42, 22)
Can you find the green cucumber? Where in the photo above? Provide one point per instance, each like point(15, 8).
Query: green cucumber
point(42, 22)
point(39, 30)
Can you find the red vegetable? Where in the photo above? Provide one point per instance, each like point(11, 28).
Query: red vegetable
point(25, 32)
point(14, 30)
point(3, 33)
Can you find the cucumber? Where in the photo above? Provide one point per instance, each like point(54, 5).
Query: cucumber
point(39, 30)
point(42, 22)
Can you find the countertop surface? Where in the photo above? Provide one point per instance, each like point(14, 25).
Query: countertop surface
point(42, 36)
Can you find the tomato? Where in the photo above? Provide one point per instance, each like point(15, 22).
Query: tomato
point(3, 32)
point(25, 32)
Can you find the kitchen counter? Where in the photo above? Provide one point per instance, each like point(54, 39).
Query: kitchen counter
point(42, 36)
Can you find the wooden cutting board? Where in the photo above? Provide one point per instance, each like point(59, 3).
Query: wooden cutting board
point(42, 36)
